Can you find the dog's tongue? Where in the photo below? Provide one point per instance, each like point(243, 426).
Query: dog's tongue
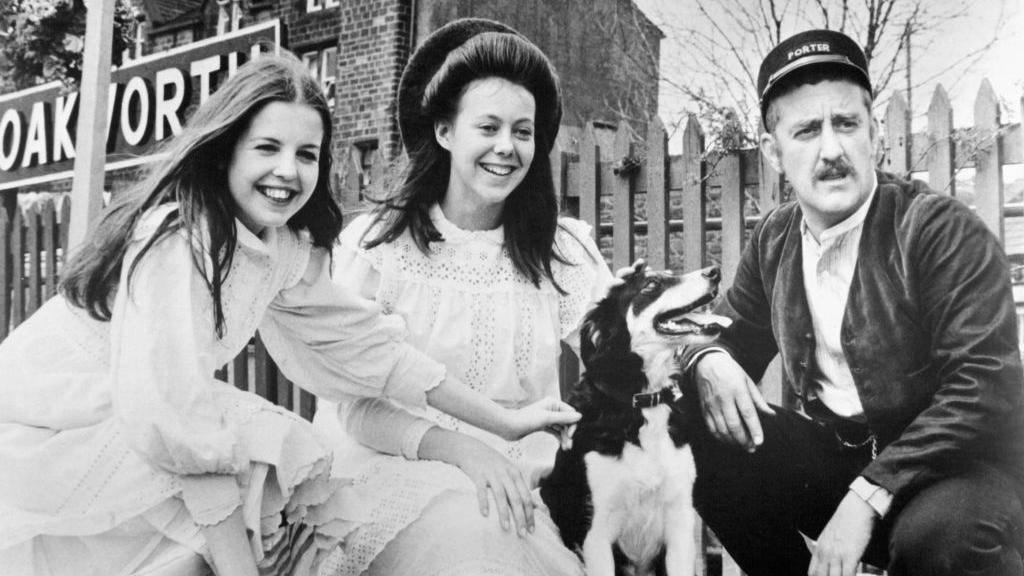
point(704, 319)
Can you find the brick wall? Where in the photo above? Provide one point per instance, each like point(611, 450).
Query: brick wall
point(373, 47)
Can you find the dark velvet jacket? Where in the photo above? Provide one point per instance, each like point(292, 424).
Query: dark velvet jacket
point(929, 332)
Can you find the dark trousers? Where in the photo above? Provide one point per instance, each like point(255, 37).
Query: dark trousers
point(758, 505)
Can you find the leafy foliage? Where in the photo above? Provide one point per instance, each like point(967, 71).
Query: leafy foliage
point(43, 40)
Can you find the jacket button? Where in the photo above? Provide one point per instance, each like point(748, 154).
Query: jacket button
point(803, 363)
point(857, 370)
point(808, 336)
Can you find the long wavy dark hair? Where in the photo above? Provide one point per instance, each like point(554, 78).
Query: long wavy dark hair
point(530, 213)
point(193, 174)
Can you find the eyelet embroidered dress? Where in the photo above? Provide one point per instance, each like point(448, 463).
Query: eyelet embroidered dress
point(466, 306)
point(117, 444)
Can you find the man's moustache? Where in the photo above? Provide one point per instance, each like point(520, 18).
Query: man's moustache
point(834, 171)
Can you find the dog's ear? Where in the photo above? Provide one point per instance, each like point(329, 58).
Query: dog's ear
point(603, 334)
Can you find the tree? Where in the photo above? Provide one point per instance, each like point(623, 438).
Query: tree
point(42, 40)
point(724, 42)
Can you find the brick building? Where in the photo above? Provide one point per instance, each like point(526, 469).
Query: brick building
point(606, 52)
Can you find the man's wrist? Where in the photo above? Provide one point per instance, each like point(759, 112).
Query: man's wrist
point(875, 496)
point(696, 357)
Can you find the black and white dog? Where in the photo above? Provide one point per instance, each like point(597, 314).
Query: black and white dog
point(621, 494)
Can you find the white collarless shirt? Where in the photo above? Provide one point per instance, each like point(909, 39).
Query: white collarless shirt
point(829, 262)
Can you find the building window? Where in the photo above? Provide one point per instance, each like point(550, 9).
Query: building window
point(366, 152)
point(318, 5)
point(323, 65)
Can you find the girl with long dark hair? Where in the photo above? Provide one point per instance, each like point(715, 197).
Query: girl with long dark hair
point(470, 252)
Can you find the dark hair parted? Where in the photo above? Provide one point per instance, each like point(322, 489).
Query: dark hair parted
point(530, 213)
point(193, 174)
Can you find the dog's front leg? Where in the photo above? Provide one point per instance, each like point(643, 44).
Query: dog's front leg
point(680, 540)
point(597, 551)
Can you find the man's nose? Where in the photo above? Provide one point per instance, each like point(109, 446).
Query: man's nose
point(830, 145)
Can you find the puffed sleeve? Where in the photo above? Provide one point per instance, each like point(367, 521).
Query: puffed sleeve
point(338, 345)
point(162, 335)
point(374, 422)
point(584, 278)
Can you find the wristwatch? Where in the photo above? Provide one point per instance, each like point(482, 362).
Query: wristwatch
point(877, 497)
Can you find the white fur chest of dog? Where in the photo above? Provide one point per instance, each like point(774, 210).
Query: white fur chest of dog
point(642, 500)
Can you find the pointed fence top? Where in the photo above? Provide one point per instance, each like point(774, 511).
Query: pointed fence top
point(986, 105)
point(897, 107)
point(940, 100)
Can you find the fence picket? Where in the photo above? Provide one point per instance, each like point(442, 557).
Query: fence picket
point(729, 169)
point(65, 227)
point(623, 191)
point(34, 245)
point(265, 384)
point(589, 180)
point(940, 143)
point(17, 254)
point(988, 176)
point(48, 213)
point(897, 136)
point(657, 196)
point(693, 196)
point(240, 369)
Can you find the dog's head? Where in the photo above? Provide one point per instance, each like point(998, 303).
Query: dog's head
point(645, 318)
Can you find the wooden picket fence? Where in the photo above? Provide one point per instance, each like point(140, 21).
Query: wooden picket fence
point(681, 212)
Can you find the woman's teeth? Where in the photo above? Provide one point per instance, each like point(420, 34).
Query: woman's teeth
point(276, 193)
point(497, 170)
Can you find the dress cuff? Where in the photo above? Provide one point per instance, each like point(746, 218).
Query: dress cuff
point(414, 375)
point(412, 438)
point(210, 498)
point(877, 497)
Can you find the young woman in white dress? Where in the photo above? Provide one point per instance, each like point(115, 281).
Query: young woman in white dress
point(121, 454)
point(471, 254)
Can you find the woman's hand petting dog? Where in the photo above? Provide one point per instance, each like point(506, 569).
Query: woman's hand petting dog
point(730, 401)
point(549, 414)
point(491, 473)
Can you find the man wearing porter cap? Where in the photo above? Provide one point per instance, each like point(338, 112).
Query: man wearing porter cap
point(891, 308)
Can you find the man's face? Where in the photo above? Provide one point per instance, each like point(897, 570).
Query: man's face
point(824, 143)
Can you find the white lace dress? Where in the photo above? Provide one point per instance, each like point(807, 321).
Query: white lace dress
point(117, 444)
point(466, 306)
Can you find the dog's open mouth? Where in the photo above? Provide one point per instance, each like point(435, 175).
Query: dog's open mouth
point(691, 319)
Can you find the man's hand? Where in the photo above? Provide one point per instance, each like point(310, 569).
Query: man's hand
point(730, 400)
point(844, 539)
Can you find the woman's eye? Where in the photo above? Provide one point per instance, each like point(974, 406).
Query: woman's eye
point(489, 128)
point(308, 156)
point(524, 133)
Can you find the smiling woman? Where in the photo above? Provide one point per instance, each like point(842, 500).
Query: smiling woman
point(275, 164)
point(470, 253)
point(491, 146)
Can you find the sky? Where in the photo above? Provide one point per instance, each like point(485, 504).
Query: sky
point(1002, 64)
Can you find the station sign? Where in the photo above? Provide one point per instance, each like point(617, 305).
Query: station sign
point(150, 100)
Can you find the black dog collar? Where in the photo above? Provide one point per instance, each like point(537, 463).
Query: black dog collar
point(667, 395)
